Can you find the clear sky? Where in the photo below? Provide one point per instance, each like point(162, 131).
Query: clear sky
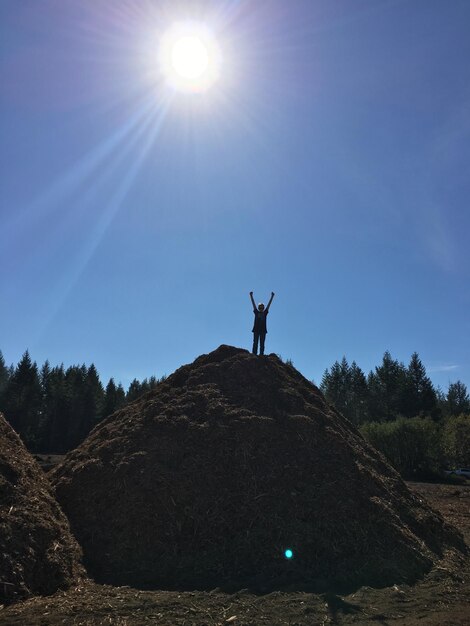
point(329, 163)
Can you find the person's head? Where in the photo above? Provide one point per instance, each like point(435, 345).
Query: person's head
point(261, 307)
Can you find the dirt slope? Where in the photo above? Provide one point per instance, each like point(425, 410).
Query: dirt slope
point(207, 479)
point(37, 551)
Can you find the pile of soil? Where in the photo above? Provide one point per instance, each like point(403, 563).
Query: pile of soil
point(440, 598)
point(38, 554)
point(207, 479)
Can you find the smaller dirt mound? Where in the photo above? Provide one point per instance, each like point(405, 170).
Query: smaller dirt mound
point(38, 554)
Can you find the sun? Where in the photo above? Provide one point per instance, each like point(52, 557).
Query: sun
point(190, 57)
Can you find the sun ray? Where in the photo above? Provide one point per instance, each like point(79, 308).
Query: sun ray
point(150, 131)
point(51, 199)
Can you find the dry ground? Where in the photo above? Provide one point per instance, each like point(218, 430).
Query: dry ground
point(441, 598)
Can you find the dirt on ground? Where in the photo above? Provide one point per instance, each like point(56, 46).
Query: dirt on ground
point(211, 476)
point(441, 598)
point(38, 553)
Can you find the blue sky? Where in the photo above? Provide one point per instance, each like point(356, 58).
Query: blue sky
point(330, 164)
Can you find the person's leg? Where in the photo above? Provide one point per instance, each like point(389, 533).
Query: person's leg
point(262, 337)
point(255, 342)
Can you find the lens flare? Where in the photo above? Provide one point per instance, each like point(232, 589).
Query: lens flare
point(288, 553)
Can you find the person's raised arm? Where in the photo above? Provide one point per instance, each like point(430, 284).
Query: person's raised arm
point(252, 300)
point(270, 300)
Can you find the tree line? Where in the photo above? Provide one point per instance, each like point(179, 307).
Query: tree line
point(54, 408)
point(397, 408)
point(390, 391)
point(419, 427)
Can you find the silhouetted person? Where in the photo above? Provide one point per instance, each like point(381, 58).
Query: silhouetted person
point(259, 327)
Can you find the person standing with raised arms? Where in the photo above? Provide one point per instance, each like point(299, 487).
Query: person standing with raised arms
point(259, 327)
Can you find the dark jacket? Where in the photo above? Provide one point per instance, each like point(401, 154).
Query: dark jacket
point(259, 325)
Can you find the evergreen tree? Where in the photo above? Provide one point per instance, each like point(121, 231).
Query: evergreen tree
point(153, 382)
point(458, 400)
point(4, 377)
point(22, 400)
point(386, 385)
point(46, 400)
point(120, 397)
point(357, 412)
point(144, 386)
point(56, 407)
point(345, 386)
point(85, 395)
point(94, 399)
point(72, 423)
point(441, 399)
point(325, 382)
point(134, 391)
point(137, 389)
point(45, 375)
point(114, 398)
point(333, 384)
point(419, 396)
point(109, 405)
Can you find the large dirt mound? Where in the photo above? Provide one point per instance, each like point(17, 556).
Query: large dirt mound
point(38, 553)
point(210, 477)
